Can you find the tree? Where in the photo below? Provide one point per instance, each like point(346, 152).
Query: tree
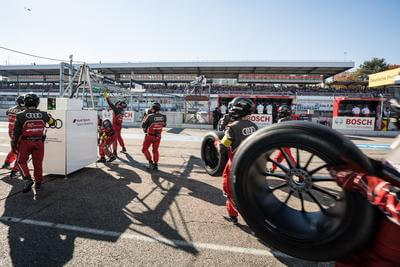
point(372, 66)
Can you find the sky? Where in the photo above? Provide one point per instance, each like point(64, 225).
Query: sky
point(188, 30)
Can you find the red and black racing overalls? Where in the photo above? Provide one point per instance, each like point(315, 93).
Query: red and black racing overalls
point(153, 125)
point(11, 116)
point(28, 140)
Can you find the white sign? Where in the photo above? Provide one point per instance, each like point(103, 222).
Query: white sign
point(128, 116)
point(261, 119)
point(353, 123)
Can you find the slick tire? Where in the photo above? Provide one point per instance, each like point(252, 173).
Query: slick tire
point(213, 157)
point(329, 234)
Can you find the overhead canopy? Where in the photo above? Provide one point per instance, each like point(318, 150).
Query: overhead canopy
point(211, 69)
point(384, 78)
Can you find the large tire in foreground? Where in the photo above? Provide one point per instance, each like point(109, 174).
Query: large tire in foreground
point(328, 233)
point(213, 157)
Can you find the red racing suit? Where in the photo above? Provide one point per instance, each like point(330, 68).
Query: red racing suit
point(153, 125)
point(11, 116)
point(385, 248)
point(279, 156)
point(107, 139)
point(235, 133)
point(28, 139)
point(117, 119)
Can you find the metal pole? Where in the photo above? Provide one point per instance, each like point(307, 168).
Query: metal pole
point(61, 81)
point(71, 71)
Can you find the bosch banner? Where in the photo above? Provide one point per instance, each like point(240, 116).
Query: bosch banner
point(128, 116)
point(261, 119)
point(353, 123)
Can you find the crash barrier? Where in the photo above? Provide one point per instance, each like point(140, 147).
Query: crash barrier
point(72, 143)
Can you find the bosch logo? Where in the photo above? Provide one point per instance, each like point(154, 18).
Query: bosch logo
point(34, 115)
point(248, 131)
point(359, 121)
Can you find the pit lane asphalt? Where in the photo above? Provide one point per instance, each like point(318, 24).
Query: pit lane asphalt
point(121, 214)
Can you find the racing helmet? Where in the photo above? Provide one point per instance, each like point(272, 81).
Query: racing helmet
point(31, 100)
point(240, 107)
point(156, 106)
point(19, 101)
point(107, 124)
point(121, 104)
point(284, 111)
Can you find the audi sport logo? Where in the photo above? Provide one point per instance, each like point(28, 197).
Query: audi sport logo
point(248, 131)
point(33, 115)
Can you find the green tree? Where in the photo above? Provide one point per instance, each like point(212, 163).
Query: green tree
point(372, 66)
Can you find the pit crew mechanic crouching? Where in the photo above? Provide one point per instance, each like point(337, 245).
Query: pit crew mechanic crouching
point(28, 140)
point(235, 132)
point(153, 124)
point(107, 139)
point(11, 116)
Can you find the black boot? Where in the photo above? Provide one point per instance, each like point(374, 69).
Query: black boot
point(13, 174)
point(234, 219)
point(123, 150)
point(38, 185)
point(28, 184)
point(101, 160)
point(155, 166)
point(151, 165)
point(5, 165)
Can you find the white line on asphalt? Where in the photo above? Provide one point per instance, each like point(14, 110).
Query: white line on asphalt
point(171, 242)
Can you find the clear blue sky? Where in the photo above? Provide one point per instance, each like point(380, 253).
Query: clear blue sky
point(167, 30)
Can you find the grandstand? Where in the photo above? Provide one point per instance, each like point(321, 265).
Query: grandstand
point(160, 78)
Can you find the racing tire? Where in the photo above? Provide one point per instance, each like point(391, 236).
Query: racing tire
point(324, 235)
point(213, 157)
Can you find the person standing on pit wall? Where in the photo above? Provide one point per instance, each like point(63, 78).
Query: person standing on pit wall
point(260, 108)
point(284, 114)
point(11, 116)
point(223, 109)
point(269, 109)
point(235, 132)
point(356, 111)
point(365, 111)
point(117, 119)
point(225, 120)
point(216, 117)
point(153, 125)
point(28, 140)
point(106, 140)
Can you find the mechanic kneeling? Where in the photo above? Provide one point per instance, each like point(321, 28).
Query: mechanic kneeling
point(107, 139)
point(235, 132)
point(153, 124)
point(28, 140)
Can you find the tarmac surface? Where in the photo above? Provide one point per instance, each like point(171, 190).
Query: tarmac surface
point(120, 213)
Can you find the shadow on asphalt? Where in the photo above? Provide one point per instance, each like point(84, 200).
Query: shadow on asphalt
point(153, 218)
point(90, 198)
point(175, 130)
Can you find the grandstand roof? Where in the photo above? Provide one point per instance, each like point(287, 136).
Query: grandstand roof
point(211, 69)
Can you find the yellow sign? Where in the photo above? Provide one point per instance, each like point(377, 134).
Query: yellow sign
point(383, 78)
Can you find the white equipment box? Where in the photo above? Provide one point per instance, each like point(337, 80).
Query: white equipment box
point(74, 145)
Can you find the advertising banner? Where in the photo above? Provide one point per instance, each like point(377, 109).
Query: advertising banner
point(261, 119)
point(353, 123)
point(128, 116)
